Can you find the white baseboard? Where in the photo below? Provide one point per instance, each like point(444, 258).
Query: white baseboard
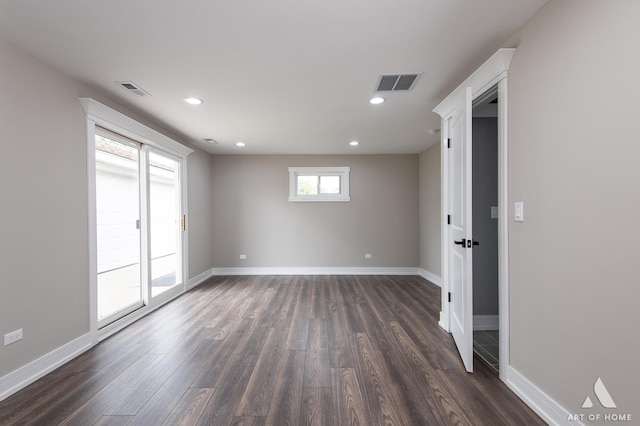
point(430, 276)
point(443, 322)
point(486, 322)
point(27, 374)
point(550, 411)
point(199, 279)
point(315, 271)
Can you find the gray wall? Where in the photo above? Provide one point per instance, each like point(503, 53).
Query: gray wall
point(43, 188)
point(44, 284)
point(573, 160)
point(252, 215)
point(485, 229)
point(199, 220)
point(430, 211)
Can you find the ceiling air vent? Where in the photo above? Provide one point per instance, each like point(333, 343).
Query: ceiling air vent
point(131, 87)
point(396, 82)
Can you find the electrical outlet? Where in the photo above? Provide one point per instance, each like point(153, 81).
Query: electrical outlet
point(243, 256)
point(368, 256)
point(12, 337)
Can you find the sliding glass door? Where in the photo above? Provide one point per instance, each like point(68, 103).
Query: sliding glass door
point(118, 226)
point(139, 225)
point(165, 222)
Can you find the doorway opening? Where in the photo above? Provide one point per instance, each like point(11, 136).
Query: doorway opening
point(485, 210)
point(458, 238)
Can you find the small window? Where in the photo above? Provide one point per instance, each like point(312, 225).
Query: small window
point(319, 184)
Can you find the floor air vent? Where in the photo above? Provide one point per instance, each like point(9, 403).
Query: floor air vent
point(133, 88)
point(396, 82)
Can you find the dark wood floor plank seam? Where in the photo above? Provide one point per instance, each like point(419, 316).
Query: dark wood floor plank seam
point(375, 389)
point(256, 399)
point(348, 403)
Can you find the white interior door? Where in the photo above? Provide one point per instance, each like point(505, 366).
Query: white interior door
point(460, 243)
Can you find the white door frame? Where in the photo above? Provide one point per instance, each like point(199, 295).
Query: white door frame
point(98, 114)
point(493, 72)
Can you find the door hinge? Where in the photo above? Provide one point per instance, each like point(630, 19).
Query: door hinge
point(448, 219)
point(448, 142)
point(184, 223)
point(449, 297)
point(137, 223)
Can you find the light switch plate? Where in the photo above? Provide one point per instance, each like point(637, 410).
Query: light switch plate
point(518, 211)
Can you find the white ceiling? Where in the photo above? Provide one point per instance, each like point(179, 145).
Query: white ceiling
point(283, 76)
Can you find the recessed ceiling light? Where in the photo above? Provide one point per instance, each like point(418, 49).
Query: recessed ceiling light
point(376, 100)
point(241, 144)
point(354, 143)
point(193, 101)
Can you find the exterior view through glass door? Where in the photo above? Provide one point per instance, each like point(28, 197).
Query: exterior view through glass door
point(138, 220)
point(165, 222)
point(118, 226)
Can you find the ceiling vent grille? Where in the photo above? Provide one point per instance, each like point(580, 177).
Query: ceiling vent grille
point(131, 87)
point(396, 82)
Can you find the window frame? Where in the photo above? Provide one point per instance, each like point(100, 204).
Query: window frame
point(342, 172)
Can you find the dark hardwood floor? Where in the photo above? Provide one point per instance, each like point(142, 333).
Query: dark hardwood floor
point(277, 350)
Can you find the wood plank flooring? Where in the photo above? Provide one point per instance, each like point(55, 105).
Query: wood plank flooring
point(277, 350)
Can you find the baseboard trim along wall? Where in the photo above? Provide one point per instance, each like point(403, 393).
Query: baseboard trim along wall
point(314, 271)
point(486, 322)
point(199, 279)
point(27, 374)
point(430, 276)
point(547, 408)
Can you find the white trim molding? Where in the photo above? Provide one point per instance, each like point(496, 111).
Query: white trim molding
point(314, 271)
point(110, 118)
point(545, 406)
point(430, 276)
point(486, 76)
point(486, 322)
point(29, 373)
point(199, 279)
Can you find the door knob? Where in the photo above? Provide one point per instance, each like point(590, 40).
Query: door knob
point(462, 242)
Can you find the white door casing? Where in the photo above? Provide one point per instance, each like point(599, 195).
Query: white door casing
point(101, 115)
point(493, 72)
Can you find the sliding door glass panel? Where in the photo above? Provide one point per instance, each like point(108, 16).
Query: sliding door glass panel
point(164, 214)
point(118, 228)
